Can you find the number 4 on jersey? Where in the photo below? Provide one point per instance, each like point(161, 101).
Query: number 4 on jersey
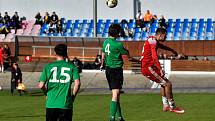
point(107, 49)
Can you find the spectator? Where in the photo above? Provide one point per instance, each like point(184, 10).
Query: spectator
point(54, 18)
point(181, 57)
point(162, 22)
point(16, 78)
point(60, 27)
point(1, 19)
point(126, 32)
point(6, 18)
point(147, 17)
point(154, 18)
point(38, 18)
point(1, 60)
point(161, 56)
point(15, 20)
point(97, 62)
point(52, 28)
point(139, 19)
point(7, 54)
point(78, 64)
point(46, 18)
point(4, 30)
point(195, 58)
point(205, 58)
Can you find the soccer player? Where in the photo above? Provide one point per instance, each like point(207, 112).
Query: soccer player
point(151, 69)
point(112, 52)
point(55, 81)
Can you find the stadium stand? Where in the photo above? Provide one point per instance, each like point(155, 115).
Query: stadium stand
point(196, 29)
point(178, 29)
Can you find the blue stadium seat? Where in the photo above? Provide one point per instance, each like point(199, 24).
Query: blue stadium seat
point(144, 36)
point(176, 36)
point(50, 34)
point(69, 24)
point(57, 34)
point(63, 20)
point(116, 21)
point(66, 34)
point(137, 33)
point(105, 35)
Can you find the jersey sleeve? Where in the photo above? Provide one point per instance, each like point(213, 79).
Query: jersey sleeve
point(75, 73)
point(153, 45)
point(123, 51)
point(43, 76)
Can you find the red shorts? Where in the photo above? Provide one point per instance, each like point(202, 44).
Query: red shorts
point(153, 73)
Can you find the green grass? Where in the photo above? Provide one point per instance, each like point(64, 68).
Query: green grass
point(135, 107)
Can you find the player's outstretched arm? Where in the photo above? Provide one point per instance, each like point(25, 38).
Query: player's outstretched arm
point(161, 46)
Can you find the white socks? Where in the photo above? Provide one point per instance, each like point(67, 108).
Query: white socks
point(164, 100)
point(171, 103)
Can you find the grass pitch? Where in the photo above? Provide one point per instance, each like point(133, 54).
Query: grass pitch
point(135, 107)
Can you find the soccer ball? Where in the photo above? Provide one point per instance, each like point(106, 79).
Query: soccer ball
point(111, 3)
point(0, 88)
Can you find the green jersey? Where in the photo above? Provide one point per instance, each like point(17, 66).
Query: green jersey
point(113, 53)
point(59, 76)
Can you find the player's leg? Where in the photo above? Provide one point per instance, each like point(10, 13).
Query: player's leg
point(52, 114)
point(166, 88)
point(169, 94)
point(114, 104)
point(115, 80)
point(2, 65)
point(164, 99)
point(119, 75)
point(65, 115)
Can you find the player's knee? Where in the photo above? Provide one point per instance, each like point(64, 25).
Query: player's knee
point(115, 94)
point(168, 84)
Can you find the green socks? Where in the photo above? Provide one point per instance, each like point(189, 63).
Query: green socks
point(115, 110)
point(118, 112)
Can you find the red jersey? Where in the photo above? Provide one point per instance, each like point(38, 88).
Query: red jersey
point(149, 54)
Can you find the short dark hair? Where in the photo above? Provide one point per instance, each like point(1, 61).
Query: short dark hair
point(161, 31)
point(114, 30)
point(61, 50)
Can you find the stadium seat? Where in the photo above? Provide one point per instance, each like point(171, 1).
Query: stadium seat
point(19, 31)
point(69, 24)
point(9, 37)
point(2, 37)
point(137, 33)
point(36, 29)
point(144, 36)
point(116, 21)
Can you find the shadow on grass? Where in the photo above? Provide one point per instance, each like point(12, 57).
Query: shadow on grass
point(24, 116)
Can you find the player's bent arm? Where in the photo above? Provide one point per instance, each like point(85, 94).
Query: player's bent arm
point(77, 85)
